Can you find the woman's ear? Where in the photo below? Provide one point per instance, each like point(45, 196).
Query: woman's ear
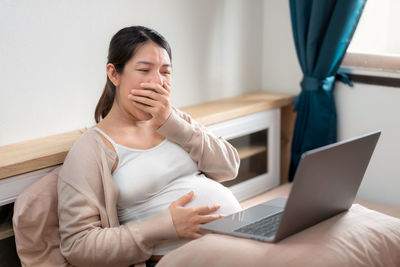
point(113, 74)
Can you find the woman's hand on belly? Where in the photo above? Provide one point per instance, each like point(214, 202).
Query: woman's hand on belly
point(187, 221)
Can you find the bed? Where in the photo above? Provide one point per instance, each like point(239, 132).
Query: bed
point(358, 237)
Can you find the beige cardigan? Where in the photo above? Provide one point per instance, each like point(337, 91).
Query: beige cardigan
point(87, 196)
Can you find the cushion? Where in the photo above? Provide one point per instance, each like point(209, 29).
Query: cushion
point(358, 237)
point(35, 223)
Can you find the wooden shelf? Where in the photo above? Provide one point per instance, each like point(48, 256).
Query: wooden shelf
point(36, 154)
point(40, 153)
point(6, 230)
point(238, 106)
point(246, 152)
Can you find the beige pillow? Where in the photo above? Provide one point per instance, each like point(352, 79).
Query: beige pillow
point(35, 224)
point(359, 237)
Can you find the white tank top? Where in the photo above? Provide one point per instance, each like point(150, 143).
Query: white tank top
point(150, 179)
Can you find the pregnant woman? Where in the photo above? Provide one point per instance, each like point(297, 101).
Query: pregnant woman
point(141, 182)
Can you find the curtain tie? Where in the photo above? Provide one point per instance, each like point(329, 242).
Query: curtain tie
point(344, 78)
point(313, 84)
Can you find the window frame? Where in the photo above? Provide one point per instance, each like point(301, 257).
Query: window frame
point(376, 69)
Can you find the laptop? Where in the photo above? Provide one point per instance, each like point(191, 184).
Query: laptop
point(326, 183)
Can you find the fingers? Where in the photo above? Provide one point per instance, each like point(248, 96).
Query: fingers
point(167, 86)
point(143, 100)
point(207, 209)
point(150, 97)
point(156, 87)
point(196, 235)
point(146, 93)
point(209, 218)
point(183, 200)
point(149, 100)
point(187, 220)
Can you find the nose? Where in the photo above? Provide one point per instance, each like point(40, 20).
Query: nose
point(156, 78)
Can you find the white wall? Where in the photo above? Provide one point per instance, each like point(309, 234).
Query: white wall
point(360, 109)
point(53, 55)
point(365, 108)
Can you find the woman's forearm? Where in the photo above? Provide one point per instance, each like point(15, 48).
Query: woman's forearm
point(215, 157)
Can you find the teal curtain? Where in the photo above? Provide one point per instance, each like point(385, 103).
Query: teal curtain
point(322, 30)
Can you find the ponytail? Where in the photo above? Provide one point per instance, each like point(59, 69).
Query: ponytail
point(105, 102)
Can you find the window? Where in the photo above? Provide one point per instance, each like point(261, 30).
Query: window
point(373, 55)
point(377, 30)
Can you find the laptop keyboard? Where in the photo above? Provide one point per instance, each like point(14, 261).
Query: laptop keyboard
point(264, 227)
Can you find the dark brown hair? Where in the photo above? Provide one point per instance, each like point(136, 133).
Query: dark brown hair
point(123, 46)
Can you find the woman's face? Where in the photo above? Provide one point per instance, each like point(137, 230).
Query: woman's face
point(150, 64)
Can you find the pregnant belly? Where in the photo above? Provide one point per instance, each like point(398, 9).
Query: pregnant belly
point(206, 192)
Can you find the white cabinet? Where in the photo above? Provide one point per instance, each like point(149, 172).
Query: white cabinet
point(257, 139)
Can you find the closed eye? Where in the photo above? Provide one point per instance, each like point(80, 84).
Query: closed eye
point(143, 70)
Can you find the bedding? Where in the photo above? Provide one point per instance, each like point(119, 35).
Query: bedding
point(358, 237)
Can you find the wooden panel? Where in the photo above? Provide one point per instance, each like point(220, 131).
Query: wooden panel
point(35, 154)
point(371, 61)
point(288, 118)
point(230, 108)
point(376, 80)
point(49, 151)
point(246, 152)
point(6, 230)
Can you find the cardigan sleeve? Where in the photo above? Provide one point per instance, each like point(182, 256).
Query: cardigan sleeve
point(87, 239)
point(215, 156)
